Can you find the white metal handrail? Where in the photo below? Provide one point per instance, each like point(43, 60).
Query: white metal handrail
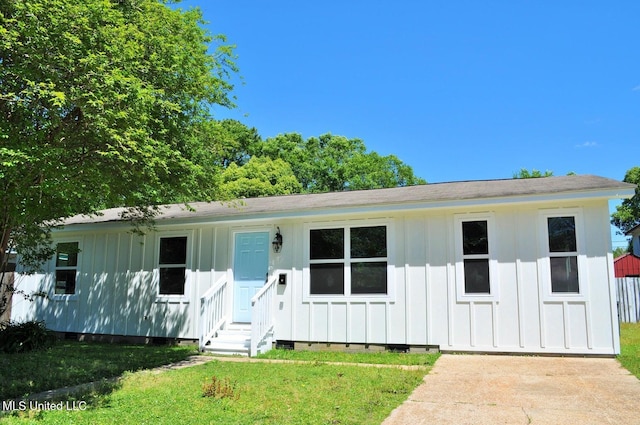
point(262, 317)
point(212, 308)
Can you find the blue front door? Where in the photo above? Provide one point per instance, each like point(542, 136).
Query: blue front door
point(250, 267)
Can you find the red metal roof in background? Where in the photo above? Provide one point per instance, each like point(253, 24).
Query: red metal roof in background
point(627, 265)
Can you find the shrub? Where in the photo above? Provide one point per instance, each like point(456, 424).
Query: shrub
point(27, 336)
point(220, 388)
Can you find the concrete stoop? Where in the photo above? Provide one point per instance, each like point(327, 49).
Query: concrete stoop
point(234, 340)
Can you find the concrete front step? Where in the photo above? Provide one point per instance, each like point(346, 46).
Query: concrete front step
point(227, 349)
point(234, 326)
point(233, 340)
point(233, 335)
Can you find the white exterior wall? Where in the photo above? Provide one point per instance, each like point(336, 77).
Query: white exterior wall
point(425, 308)
point(116, 290)
point(116, 285)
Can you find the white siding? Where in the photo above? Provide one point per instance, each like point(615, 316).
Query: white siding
point(117, 291)
point(426, 310)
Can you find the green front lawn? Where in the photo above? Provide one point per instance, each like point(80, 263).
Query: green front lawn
point(382, 357)
point(314, 392)
point(630, 347)
point(71, 363)
point(309, 391)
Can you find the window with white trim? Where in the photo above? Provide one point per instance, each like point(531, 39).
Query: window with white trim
point(348, 260)
point(563, 254)
point(476, 264)
point(475, 257)
point(66, 268)
point(172, 265)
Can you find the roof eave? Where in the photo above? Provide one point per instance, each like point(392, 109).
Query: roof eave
point(302, 212)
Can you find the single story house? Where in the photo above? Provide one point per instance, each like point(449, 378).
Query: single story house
point(516, 266)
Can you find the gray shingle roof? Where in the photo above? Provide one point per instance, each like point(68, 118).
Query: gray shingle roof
point(632, 230)
point(435, 193)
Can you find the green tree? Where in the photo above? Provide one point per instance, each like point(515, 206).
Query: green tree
point(366, 171)
point(619, 252)
point(232, 141)
point(260, 176)
point(526, 174)
point(627, 214)
point(335, 163)
point(101, 104)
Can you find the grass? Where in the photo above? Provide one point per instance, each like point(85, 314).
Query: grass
point(382, 357)
point(309, 391)
point(70, 363)
point(630, 347)
point(313, 392)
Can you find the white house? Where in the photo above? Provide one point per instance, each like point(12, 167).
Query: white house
point(518, 265)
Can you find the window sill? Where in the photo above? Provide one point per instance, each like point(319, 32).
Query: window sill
point(171, 299)
point(564, 297)
point(341, 299)
point(477, 298)
point(65, 297)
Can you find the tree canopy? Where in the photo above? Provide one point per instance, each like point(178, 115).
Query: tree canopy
point(260, 176)
point(331, 163)
point(627, 214)
point(526, 174)
point(107, 103)
point(288, 163)
point(232, 140)
point(533, 174)
point(102, 104)
point(620, 251)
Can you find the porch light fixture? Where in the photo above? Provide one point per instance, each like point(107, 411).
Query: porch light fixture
point(277, 241)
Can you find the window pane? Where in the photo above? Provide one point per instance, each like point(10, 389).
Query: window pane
point(369, 278)
point(65, 282)
point(67, 254)
point(476, 277)
point(327, 278)
point(172, 280)
point(564, 274)
point(474, 237)
point(173, 250)
point(327, 244)
point(368, 242)
point(562, 234)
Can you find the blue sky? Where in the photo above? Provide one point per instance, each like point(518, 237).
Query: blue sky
point(459, 90)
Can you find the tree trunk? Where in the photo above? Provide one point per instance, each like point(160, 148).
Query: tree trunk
point(5, 233)
point(6, 275)
point(6, 293)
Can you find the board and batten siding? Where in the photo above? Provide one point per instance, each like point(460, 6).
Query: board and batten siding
point(425, 309)
point(116, 287)
point(116, 290)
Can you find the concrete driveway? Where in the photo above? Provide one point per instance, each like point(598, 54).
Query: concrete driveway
point(489, 389)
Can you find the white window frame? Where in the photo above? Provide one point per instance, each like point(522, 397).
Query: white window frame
point(544, 262)
point(494, 284)
point(73, 296)
point(187, 266)
point(347, 260)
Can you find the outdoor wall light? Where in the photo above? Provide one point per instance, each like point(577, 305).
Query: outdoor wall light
point(277, 241)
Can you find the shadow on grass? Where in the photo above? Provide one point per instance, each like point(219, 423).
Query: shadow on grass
point(72, 363)
point(80, 397)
